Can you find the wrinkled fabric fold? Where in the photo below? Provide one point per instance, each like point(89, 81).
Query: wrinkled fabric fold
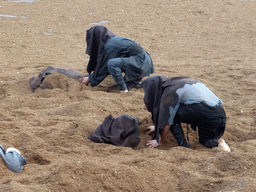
point(120, 131)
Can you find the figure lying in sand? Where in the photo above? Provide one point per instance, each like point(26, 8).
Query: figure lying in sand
point(177, 100)
point(38, 81)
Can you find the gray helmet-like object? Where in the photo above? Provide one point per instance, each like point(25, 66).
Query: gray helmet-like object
point(13, 159)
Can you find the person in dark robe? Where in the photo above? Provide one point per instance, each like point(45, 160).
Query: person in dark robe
point(121, 131)
point(177, 100)
point(111, 54)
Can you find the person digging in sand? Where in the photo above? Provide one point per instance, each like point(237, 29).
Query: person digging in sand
point(177, 100)
point(111, 54)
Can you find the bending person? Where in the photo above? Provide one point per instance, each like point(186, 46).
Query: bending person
point(110, 54)
point(177, 100)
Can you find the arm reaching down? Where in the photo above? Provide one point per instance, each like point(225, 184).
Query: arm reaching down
point(164, 132)
point(154, 143)
point(85, 80)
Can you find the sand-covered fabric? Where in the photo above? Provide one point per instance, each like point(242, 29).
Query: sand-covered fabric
point(211, 41)
point(38, 81)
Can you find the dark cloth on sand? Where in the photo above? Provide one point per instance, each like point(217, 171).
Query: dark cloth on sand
point(35, 82)
point(120, 131)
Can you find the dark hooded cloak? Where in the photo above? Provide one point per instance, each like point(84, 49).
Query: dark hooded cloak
point(158, 99)
point(96, 37)
point(153, 87)
point(164, 96)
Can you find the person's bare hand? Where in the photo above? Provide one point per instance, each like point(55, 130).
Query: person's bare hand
point(81, 79)
point(150, 129)
point(152, 143)
point(84, 80)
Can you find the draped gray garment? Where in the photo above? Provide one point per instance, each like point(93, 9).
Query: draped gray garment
point(13, 160)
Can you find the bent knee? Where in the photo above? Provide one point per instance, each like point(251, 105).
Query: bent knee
point(111, 64)
point(114, 65)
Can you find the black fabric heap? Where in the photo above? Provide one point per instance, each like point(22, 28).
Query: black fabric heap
point(120, 131)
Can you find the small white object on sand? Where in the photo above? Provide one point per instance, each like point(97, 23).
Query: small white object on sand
point(12, 149)
point(223, 145)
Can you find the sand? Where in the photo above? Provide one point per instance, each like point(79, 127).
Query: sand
point(211, 41)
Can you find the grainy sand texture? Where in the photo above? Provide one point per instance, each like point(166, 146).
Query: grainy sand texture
point(211, 41)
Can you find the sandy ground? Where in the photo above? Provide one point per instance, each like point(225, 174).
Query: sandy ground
point(212, 41)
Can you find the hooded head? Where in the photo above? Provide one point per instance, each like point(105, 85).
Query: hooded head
point(96, 37)
point(153, 88)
